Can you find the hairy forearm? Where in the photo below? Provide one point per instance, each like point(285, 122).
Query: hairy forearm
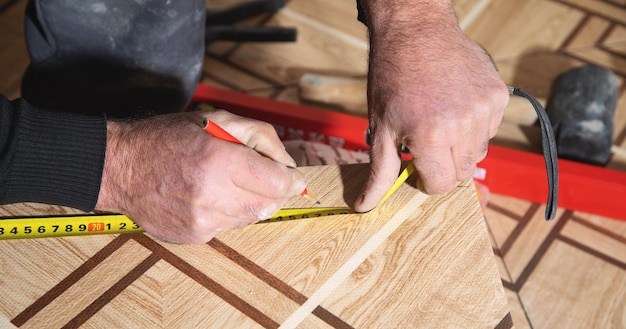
point(411, 34)
point(410, 16)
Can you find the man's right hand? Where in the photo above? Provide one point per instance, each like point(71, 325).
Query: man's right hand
point(183, 185)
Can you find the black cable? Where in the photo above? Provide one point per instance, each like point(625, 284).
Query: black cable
point(242, 11)
point(250, 33)
point(550, 155)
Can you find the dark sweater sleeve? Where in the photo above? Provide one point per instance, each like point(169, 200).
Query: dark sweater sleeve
point(361, 12)
point(50, 157)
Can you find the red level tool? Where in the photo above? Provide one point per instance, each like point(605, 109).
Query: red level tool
point(509, 172)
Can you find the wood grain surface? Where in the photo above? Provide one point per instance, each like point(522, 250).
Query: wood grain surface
point(415, 261)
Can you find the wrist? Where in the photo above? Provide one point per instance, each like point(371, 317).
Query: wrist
point(110, 198)
point(413, 31)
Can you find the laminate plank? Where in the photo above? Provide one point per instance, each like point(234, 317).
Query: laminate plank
point(13, 54)
point(520, 319)
point(501, 224)
point(590, 33)
point(599, 223)
point(602, 58)
point(535, 73)
point(319, 48)
point(597, 241)
point(340, 16)
point(617, 35)
point(604, 8)
point(230, 76)
point(31, 267)
point(409, 262)
point(560, 295)
point(467, 11)
point(252, 289)
point(158, 294)
point(502, 269)
point(528, 243)
point(73, 300)
point(515, 28)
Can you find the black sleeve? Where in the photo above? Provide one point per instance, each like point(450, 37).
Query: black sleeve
point(361, 12)
point(50, 157)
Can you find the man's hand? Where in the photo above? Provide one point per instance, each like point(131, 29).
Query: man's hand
point(183, 185)
point(431, 89)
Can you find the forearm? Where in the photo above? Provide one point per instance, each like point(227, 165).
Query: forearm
point(412, 16)
point(406, 38)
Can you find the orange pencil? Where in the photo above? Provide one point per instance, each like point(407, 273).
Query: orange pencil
point(222, 134)
point(219, 132)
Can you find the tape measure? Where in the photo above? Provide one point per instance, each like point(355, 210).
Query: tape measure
point(45, 227)
point(58, 226)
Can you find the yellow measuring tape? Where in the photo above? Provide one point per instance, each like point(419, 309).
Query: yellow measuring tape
point(57, 226)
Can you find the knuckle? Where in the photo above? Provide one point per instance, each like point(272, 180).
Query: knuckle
point(482, 153)
point(439, 187)
point(252, 212)
point(266, 127)
point(466, 167)
point(262, 130)
point(281, 185)
point(438, 179)
point(265, 212)
point(200, 225)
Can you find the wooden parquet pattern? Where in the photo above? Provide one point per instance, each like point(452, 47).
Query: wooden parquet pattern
point(396, 266)
point(570, 273)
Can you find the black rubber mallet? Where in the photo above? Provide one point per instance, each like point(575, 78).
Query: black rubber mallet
point(581, 108)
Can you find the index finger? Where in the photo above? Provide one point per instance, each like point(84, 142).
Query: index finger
point(258, 135)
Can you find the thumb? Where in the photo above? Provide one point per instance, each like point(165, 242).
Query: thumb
point(384, 166)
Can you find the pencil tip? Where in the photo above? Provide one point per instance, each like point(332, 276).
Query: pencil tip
point(311, 198)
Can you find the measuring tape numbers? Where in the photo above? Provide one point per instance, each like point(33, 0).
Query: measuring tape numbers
point(304, 213)
point(43, 227)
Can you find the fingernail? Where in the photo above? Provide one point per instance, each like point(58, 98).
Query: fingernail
point(268, 211)
point(299, 183)
point(292, 163)
point(359, 202)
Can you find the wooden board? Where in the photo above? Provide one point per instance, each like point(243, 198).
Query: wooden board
point(416, 261)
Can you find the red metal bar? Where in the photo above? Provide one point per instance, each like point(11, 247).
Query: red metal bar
point(290, 120)
point(582, 187)
point(509, 172)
